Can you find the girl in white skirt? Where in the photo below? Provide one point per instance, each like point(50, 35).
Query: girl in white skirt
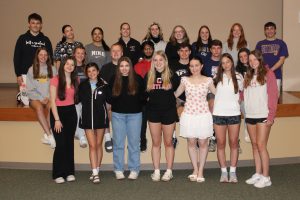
point(196, 122)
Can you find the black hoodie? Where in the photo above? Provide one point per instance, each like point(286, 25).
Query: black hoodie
point(25, 49)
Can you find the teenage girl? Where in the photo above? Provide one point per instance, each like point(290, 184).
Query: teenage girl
point(93, 93)
point(63, 120)
point(161, 112)
point(260, 97)
point(196, 122)
point(227, 115)
point(38, 80)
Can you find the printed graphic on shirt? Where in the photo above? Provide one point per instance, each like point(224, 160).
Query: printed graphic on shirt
point(97, 54)
point(181, 72)
point(214, 71)
point(36, 44)
point(270, 48)
point(132, 48)
point(42, 78)
point(158, 85)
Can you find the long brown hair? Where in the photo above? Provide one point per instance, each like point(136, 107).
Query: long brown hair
point(242, 40)
point(261, 70)
point(172, 38)
point(62, 84)
point(166, 74)
point(36, 64)
point(118, 82)
point(199, 43)
point(219, 77)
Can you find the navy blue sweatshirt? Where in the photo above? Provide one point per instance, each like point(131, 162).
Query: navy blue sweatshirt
point(25, 49)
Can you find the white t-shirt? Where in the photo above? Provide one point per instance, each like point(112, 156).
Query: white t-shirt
point(226, 101)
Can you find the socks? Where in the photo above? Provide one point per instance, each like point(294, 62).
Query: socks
point(95, 172)
point(157, 171)
point(107, 137)
point(98, 169)
point(169, 171)
point(224, 169)
point(232, 169)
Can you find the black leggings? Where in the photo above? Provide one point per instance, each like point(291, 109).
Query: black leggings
point(63, 157)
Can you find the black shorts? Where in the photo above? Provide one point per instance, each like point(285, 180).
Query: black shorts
point(165, 117)
point(210, 96)
point(254, 121)
point(226, 120)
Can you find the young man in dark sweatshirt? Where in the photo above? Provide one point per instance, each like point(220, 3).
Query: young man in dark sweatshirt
point(27, 45)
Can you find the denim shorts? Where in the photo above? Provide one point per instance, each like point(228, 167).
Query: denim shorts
point(254, 121)
point(226, 120)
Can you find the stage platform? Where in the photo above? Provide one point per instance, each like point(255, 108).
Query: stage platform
point(289, 106)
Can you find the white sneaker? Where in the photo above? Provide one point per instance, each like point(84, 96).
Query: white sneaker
point(59, 180)
point(155, 176)
point(167, 176)
point(45, 139)
point(254, 179)
point(71, 178)
point(133, 175)
point(82, 142)
point(52, 141)
point(119, 175)
point(263, 182)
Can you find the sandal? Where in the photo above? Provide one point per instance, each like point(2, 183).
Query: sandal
point(200, 179)
point(96, 179)
point(192, 177)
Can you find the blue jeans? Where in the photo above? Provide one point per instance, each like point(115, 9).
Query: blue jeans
point(126, 125)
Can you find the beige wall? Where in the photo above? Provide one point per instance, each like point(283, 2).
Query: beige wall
point(291, 33)
point(84, 15)
point(20, 142)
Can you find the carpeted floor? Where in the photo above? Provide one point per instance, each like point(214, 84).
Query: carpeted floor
point(35, 184)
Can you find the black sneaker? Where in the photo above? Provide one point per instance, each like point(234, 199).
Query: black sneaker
point(108, 146)
point(174, 141)
point(143, 145)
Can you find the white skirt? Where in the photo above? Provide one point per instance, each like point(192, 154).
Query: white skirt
point(196, 126)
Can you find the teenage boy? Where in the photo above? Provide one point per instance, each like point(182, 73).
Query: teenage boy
point(107, 72)
point(274, 52)
point(131, 47)
point(25, 49)
point(142, 68)
point(210, 69)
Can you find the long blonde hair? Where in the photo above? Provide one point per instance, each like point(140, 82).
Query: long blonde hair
point(166, 73)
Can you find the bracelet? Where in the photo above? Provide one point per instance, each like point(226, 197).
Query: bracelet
point(57, 120)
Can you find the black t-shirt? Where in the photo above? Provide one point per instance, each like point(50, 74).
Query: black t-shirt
point(181, 70)
point(159, 98)
point(108, 71)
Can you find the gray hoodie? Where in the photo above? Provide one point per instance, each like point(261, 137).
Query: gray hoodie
point(38, 89)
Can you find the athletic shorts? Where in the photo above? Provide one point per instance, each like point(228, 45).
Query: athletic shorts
point(254, 121)
point(164, 117)
point(226, 120)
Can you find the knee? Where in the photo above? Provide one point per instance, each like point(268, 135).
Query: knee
point(261, 147)
point(93, 147)
point(221, 145)
point(168, 144)
point(234, 144)
point(254, 146)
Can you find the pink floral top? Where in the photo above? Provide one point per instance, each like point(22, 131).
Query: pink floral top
point(196, 102)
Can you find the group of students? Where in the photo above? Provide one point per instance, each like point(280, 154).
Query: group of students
point(130, 84)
